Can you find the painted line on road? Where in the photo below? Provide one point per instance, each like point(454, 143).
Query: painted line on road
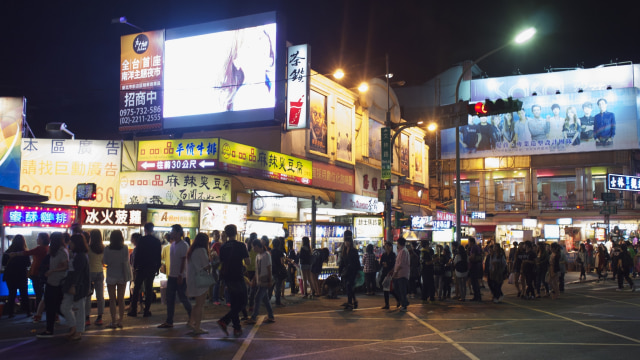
point(247, 341)
point(442, 335)
point(326, 312)
point(17, 345)
point(612, 300)
point(577, 322)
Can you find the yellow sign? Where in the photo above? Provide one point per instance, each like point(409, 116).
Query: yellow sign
point(152, 155)
point(168, 217)
point(249, 160)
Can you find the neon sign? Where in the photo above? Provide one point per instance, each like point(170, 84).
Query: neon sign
point(38, 216)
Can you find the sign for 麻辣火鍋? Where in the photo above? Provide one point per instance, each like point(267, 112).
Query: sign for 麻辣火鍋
point(169, 188)
point(182, 154)
point(54, 167)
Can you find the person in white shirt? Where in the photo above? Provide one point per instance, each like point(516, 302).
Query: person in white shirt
point(263, 280)
point(176, 280)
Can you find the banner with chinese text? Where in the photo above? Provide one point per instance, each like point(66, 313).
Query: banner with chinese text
point(251, 161)
point(141, 65)
point(54, 167)
point(182, 154)
point(169, 188)
point(297, 87)
point(111, 216)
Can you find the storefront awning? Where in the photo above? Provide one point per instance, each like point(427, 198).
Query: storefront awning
point(412, 209)
point(285, 189)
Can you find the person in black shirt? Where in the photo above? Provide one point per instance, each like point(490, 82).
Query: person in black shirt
point(349, 268)
point(388, 262)
point(232, 256)
point(427, 271)
point(146, 265)
point(278, 269)
point(469, 137)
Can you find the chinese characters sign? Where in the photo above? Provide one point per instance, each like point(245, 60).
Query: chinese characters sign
point(623, 182)
point(441, 224)
point(168, 217)
point(297, 87)
point(110, 216)
point(441, 215)
point(215, 216)
point(249, 160)
point(141, 64)
point(368, 227)
point(360, 203)
point(333, 177)
point(169, 188)
point(54, 167)
point(37, 216)
point(171, 155)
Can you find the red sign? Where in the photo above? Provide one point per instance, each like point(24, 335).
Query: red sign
point(111, 216)
point(333, 177)
point(441, 215)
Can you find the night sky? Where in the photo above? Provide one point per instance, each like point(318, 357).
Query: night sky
point(63, 56)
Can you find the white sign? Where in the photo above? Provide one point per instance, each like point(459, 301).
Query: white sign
point(360, 203)
point(169, 188)
point(551, 231)
point(368, 227)
point(529, 223)
point(275, 206)
point(297, 87)
point(215, 216)
point(53, 167)
point(564, 221)
point(268, 228)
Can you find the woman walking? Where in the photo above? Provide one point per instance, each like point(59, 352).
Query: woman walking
point(76, 287)
point(554, 270)
point(197, 261)
point(581, 260)
point(96, 275)
point(305, 266)
point(116, 258)
point(58, 264)
point(461, 266)
point(387, 262)
point(349, 267)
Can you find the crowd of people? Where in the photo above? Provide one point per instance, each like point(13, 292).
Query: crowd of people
point(67, 268)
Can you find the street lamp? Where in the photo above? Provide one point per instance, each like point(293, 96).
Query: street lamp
point(519, 39)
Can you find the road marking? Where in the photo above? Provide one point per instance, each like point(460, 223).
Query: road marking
point(577, 322)
point(442, 335)
point(612, 300)
point(17, 345)
point(247, 341)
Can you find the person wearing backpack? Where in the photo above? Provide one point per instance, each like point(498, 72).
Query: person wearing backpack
point(624, 265)
point(461, 266)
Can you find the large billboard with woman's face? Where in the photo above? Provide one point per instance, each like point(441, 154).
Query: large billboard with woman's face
point(222, 73)
point(552, 124)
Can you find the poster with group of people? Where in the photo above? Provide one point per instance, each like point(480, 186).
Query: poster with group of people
point(562, 123)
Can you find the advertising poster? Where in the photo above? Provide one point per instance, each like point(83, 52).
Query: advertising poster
point(215, 216)
point(418, 161)
point(248, 160)
point(141, 65)
point(11, 110)
point(404, 154)
point(54, 168)
point(169, 217)
point(368, 227)
point(552, 124)
point(169, 188)
point(318, 134)
point(333, 177)
point(182, 154)
point(297, 87)
point(273, 205)
point(344, 125)
point(374, 139)
point(211, 71)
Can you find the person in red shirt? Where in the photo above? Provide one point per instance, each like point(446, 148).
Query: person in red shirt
point(589, 248)
point(38, 253)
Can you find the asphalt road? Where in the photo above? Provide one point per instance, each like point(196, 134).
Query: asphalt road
point(590, 320)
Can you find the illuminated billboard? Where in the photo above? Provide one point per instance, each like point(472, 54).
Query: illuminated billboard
point(182, 154)
point(222, 73)
point(11, 112)
point(552, 124)
point(216, 215)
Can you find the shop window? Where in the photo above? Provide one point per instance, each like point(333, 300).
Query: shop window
point(556, 193)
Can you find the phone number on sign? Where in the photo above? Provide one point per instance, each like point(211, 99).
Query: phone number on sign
point(57, 193)
point(141, 111)
point(138, 119)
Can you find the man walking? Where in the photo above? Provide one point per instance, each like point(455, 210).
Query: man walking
point(475, 271)
point(176, 282)
point(146, 264)
point(232, 255)
point(401, 273)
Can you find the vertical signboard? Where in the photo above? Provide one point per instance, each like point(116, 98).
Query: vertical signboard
point(385, 134)
point(141, 64)
point(54, 167)
point(297, 87)
point(11, 112)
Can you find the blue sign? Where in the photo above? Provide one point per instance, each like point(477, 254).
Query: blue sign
point(38, 216)
point(441, 224)
point(623, 182)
